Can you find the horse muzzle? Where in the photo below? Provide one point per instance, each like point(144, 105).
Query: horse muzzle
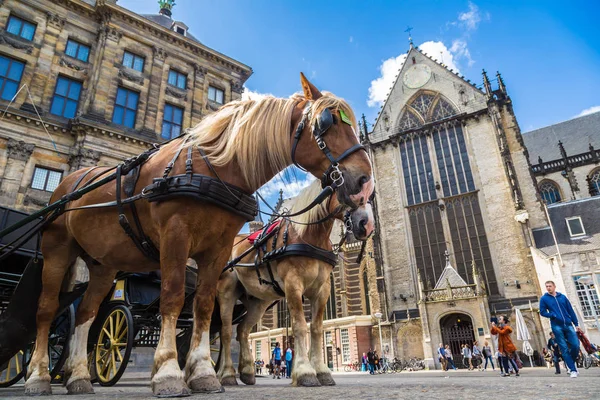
point(362, 222)
point(356, 190)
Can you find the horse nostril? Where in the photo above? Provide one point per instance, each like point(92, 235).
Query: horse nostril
point(362, 180)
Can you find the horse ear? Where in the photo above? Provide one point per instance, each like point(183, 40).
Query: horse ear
point(310, 91)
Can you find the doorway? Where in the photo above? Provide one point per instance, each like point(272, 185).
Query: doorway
point(457, 329)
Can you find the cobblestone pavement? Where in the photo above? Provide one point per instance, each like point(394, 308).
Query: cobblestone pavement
point(539, 383)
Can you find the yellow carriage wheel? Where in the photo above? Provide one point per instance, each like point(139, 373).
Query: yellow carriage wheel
point(13, 370)
point(114, 344)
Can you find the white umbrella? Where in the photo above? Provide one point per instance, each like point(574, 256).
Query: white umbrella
point(523, 334)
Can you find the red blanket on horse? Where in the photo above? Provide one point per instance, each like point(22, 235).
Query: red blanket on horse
point(270, 228)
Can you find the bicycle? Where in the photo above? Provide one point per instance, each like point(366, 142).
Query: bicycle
point(590, 360)
point(352, 367)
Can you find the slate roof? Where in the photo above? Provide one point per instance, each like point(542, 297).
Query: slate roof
point(576, 135)
point(449, 275)
point(167, 22)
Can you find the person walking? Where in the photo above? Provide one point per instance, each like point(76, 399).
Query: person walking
point(487, 354)
point(506, 346)
point(555, 350)
point(547, 355)
point(365, 362)
point(558, 308)
point(289, 356)
point(442, 357)
point(477, 356)
point(449, 357)
point(276, 361)
point(371, 360)
point(467, 355)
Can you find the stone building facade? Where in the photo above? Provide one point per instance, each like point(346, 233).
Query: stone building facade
point(455, 198)
point(91, 83)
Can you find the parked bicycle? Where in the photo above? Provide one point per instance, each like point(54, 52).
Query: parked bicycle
point(352, 367)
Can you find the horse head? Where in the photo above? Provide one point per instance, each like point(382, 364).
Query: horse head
point(326, 144)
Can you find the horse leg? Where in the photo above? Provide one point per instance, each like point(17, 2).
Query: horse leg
point(303, 374)
point(318, 304)
point(167, 378)
point(60, 251)
point(77, 375)
point(256, 309)
point(227, 294)
point(199, 372)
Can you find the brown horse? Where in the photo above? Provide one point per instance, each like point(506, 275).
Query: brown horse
point(247, 143)
point(298, 276)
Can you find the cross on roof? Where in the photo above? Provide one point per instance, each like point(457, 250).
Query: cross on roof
point(408, 29)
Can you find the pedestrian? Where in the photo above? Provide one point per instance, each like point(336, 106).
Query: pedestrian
point(555, 350)
point(487, 354)
point(377, 362)
point(477, 356)
point(547, 354)
point(506, 347)
point(289, 356)
point(449, 357)
point(442, 357)
point(558, 308)
point(371, 360)
point(499, 361)
point(467, 355)
point(276, 361)
point(365, 362)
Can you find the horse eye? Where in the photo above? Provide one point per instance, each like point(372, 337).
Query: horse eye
point(334, 119)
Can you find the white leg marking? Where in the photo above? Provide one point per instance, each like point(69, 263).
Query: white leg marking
point(77, 362)
point(199, 359)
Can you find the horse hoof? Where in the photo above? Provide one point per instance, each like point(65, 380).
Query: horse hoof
point(37, 388)
point(206, 384)
point(80, 386)
point(248, 379)
point(325, 379)
point(229, 381)
point(171, 388)
point(307, 380)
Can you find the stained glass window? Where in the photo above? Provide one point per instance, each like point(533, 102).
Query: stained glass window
point(422, 104)
point(442, 110)
point(453, 160)
point(429, 242)
point(549, 192)
point(426, 107)
point(409, 121)
point(417, 170)
point(331, 308)
point(595, 183)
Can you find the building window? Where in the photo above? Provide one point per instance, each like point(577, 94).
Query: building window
point(345, 338)
point(125, 107)
point(587, 294)
point(328, 340)
point(216, 95)
point(45, 179)
point(367, 293)
point(453, 160)
point(133, 61)
point(10, 77)
point(177, 79)
point(282, 314)
point(575, 226)
point(331, 307)
point(20, 27)
point(66, 97)
point(429, 242)
point(172, 119)
point(416, 168)
point(77, 50)
point(258, 350)
point(273, 342)
point(594, 183)
point(549, 192)
point(179, 29)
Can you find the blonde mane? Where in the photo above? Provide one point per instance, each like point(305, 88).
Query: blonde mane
point(304, 198)
point(256, 134)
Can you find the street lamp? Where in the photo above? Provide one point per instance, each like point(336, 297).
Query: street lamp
point(378, 315)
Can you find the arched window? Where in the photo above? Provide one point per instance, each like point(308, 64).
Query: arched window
point(549, 191)
point(424, 108)
point(331, 308)
point(367, 294)
point(594, 182)
point(283, 317)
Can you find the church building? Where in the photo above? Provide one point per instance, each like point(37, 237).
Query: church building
point(456, 205)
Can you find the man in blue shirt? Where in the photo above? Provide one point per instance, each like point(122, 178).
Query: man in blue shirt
point(276, 360)
point(558, 308)
point(289, 354)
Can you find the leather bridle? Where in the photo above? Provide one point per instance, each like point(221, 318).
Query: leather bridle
point(332, 176)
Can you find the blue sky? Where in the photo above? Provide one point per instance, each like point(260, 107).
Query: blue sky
point(547, 51)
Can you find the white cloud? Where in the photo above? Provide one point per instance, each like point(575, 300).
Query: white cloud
point(351, 39)
point(381, 86)
point(252, 95)
point(588, 111)
point(459, 50)
point(290, 187)
point(470, 19)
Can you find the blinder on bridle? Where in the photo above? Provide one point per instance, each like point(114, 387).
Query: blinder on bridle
point(332, 177)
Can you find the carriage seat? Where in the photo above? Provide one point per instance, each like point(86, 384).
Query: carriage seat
point(255, 235)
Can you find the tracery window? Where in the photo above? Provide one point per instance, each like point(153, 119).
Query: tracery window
point(425, 108)
point(428, 241)
point(453, 160)
point(409, 121)
point(550, 192)
point(417, 170)
point(595, 183)
point(331, 308)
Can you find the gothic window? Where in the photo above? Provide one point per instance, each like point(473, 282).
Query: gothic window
point(453, 160)
point(470, 241)
point(282, 314)
point(330, 309)
point(442, 110)
point(409, 121)
point(366, 291)
point(426, 107)
point(417, 170)
point(423, 103)
point(428, 241)
point(595, 183)
point(549, 192)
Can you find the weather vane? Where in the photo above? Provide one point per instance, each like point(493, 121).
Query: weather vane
point(408, 29)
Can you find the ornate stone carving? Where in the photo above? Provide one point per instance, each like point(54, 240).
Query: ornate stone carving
point(130, 76)
point(178, 93)
point(66, 63)
point(159, 53)
point(200, 71)
point(80, 157)
point(55, 21)
point(109, 33)
point(19, 150)
point(236, 87)
point(15, 42)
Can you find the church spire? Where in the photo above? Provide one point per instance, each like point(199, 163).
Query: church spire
point(486, 84)
point(501, 85)
point(410, 41)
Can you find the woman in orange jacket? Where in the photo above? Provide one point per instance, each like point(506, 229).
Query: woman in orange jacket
point(506, 346)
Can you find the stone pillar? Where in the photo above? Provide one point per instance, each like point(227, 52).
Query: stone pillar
point(198, 93)
point(18, 152)
point(156, 81)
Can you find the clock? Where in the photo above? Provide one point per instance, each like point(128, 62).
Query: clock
point(416, 76)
